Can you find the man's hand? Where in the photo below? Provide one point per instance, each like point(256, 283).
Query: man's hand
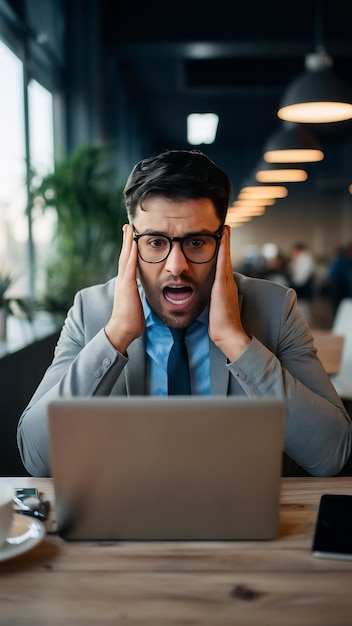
point(225, 326)
point(127, 319)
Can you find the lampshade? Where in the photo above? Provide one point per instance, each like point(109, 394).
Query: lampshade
point(252, 210)
point(247, 200)
point(233, 220)
point(262, 191)
point(277, 173)
point(318, 95)
point(252, 188)
point(292, 143)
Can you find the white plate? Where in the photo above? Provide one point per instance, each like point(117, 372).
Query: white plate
point(26, 532)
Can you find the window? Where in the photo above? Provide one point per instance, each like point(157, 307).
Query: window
point(41, 150)
point(25, 231)
point(13, 197)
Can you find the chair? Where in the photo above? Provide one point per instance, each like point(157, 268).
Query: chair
point(20, 374)
point(342, 325)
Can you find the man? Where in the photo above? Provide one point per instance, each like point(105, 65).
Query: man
point(244, 336)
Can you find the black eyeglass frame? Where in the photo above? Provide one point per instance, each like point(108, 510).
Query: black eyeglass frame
point(181, 240)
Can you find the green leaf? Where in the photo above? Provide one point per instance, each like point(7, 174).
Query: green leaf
point(86, 192)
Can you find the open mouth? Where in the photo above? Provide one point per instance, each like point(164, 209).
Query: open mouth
point(178, 295)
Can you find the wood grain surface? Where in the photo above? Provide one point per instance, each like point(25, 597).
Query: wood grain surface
point(239, 583)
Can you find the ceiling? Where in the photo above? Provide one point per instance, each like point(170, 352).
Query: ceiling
point(231, 57)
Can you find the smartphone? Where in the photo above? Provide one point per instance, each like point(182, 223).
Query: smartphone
point(32, 503)
point(333, 530)
point(27, 493)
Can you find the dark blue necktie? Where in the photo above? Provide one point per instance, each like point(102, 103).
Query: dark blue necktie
point(178, 366)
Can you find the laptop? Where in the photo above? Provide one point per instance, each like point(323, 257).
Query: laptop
point(167, 468)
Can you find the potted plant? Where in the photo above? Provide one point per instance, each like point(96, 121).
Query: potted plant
point(86, 194)
point(10, 305)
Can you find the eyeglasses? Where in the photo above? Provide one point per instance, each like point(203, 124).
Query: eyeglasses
point(197, 247)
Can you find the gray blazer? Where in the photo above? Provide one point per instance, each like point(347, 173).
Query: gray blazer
point(280, 361)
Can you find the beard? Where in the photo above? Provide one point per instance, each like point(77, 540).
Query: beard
point(170, 316)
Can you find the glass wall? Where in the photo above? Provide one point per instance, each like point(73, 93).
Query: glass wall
point(26, 146)
point(41, 152)
point(13, 196)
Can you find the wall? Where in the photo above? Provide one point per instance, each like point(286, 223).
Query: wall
point(323, 220)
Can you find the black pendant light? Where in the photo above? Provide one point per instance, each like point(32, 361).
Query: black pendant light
point(318, 96)
point(292, 143)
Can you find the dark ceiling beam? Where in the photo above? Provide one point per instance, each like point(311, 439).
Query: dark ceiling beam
point(211, 50)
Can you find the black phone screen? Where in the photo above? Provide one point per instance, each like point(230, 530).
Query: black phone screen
point(333, 531)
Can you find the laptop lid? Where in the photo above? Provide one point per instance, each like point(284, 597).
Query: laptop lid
point(162, 468)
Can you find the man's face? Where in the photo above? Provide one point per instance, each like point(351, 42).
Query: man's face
point(176, 289)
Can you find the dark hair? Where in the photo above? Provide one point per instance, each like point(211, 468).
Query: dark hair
point(176, 175)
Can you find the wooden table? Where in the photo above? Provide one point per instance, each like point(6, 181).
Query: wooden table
point(329, 350)
point(275, 583)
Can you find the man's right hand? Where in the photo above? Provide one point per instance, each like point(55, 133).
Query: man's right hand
point(127, 319)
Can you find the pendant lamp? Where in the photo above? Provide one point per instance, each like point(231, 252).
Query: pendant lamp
point(238, 208)
point(279, 173)
point(318, 96)
point(292, 143)
point(251, 188)
point(253, 201)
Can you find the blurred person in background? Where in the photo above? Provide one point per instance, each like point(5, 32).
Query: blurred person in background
point(339, 275)
point(301, 270)
point(275, 265)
